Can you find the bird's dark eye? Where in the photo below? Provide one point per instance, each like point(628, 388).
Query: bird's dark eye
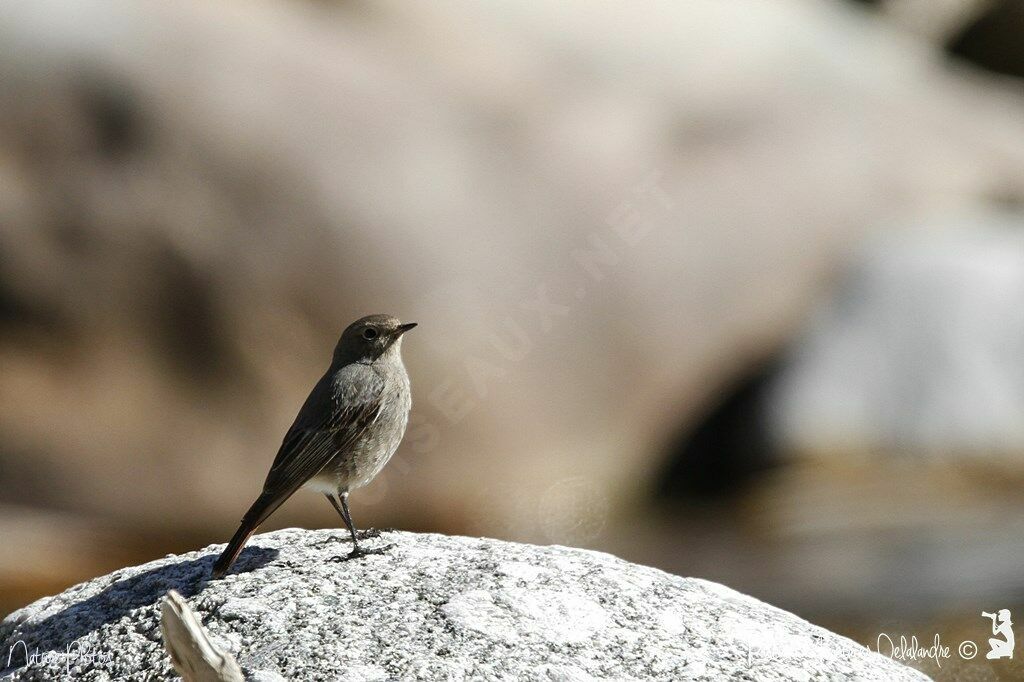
point(369, 333)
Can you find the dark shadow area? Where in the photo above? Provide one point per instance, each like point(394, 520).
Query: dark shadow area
point(186, 323)
point(23, 315)
point(729, 445)
point(115, 111)
point(995, 39)
point(57, 632)
point(990, 40)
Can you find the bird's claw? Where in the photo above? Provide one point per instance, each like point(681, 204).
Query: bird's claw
point(369, 533)
point(360, 552)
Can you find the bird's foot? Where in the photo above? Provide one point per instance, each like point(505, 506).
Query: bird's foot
point(367, 534)
point(360, 552)
point(370, 533)
point(337, 537)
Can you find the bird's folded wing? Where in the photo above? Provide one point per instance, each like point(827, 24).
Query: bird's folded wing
point(307, 449)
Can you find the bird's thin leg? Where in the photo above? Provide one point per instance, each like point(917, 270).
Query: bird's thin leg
point(346, 516)
point(342, 510)
point(361, 534)
point(348, 522)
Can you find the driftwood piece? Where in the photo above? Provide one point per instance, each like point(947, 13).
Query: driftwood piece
point(194, 655)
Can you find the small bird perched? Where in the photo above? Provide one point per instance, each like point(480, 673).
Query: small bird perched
point(346, 431)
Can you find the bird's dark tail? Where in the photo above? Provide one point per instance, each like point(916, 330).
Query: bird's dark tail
point(264, 506)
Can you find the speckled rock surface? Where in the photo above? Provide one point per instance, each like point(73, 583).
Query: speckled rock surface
point(432, 607)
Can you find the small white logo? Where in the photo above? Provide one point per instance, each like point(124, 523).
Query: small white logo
point(1001, 626)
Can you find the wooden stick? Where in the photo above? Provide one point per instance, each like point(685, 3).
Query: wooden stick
point(195, 657)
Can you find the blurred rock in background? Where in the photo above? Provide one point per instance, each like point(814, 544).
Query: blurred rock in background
point(892, 429)
point(919, 354)
point(602, 218)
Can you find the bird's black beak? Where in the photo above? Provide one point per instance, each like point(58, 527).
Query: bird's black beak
point(403, 328)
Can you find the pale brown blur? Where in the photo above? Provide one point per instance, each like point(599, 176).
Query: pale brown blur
point(656, 253)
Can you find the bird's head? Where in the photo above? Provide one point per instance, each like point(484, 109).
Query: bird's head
point(369, 338)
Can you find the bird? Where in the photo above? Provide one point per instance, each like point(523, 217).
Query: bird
point(346, 431)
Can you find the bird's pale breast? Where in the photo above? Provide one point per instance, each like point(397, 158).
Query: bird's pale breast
point(363, 460)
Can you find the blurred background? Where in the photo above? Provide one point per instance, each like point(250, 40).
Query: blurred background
point(729, 288)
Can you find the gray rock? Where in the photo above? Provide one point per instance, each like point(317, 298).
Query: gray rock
point(431, 607)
